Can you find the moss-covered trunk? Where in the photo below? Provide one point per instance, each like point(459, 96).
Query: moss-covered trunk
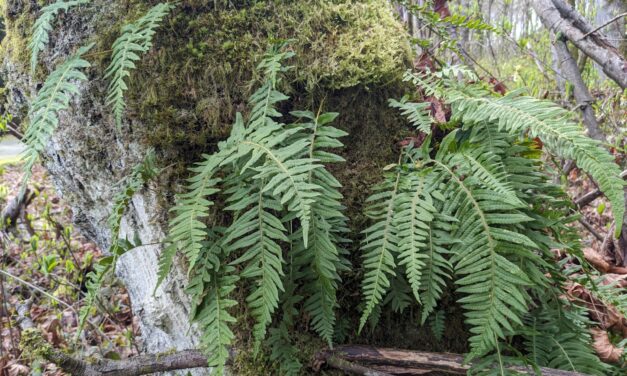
point(350, 56)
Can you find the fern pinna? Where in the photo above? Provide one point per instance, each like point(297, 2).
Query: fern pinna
point(43, 25)
point(475, 209)
point(286, 215)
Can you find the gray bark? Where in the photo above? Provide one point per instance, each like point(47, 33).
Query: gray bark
point(568, 67)
point(559, 17)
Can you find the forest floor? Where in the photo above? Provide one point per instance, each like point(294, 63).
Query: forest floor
point(51, 260)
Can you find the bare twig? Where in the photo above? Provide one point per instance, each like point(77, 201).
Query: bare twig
point(593, 195)
point(39, 290)
point(604, 25)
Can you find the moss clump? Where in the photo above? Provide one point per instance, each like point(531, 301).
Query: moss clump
point(18, 21)
point(202, 67)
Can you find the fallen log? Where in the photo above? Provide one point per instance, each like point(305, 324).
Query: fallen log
point(402, 360)
point(355, 359)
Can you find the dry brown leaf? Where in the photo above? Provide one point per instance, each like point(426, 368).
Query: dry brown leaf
point(608, 317)
point(595, 259)
point(603, 347)
point(17, 369)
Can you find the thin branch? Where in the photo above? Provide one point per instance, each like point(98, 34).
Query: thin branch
point(39, 290)
point(593, 195)
point(604, 25)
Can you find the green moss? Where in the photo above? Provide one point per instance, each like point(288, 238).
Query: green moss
point(202, 67)
point(18, 29)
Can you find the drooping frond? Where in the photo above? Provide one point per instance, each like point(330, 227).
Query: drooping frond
point(495, 298)
point(136, 39)
point(556, 337)
point(213, 316)
point(415, 212)
point(379, 245)
point(283, 349)
point(520, 114)
point(259, 232)
point(42, 26)
point(187, 231)
point(327, 225)
point(416, 113)
point(438, 269)
point(52, 98)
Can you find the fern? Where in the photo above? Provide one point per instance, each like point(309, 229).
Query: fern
point(136, 39)
point(328, 224)
point(556, 338)
point(415, 113)
point(270, 175)
point(379, 245)
point(520, 114)
point(52, 98)
point(437, 324)
point(42, 26)
point(214, 318)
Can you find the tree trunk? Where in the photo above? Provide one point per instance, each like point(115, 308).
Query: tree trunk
point(559, 17)
point(182, 100)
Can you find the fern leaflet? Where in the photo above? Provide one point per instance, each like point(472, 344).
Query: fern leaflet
point(43, 25)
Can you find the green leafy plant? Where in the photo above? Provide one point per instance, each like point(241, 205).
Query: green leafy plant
point(42, 27)
point(484, 188)
point(280, 196)
point(136, 39)
point(52, 98)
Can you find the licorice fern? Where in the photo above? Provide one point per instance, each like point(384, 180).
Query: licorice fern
point(43, 25)
point(52, 98)
point(519, 114)
point(480, 210)
point(279, 196)
point(136, 39)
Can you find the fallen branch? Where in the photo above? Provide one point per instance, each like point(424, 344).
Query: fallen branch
point(419, 361)
point(355, 359)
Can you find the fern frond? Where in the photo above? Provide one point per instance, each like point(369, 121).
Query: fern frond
point(437, 323)
point(379, 245)
point(42, 26)
point(495, 287)
point(258, 232)
point(555, 337)
point(416, 113)
point(136, 39)
point(281, 341)
point(519, 114)
point(414, 214)
point(187, 231)
point(437, 270)
point(52, 98)
point(327, 224)
point(214, 318)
